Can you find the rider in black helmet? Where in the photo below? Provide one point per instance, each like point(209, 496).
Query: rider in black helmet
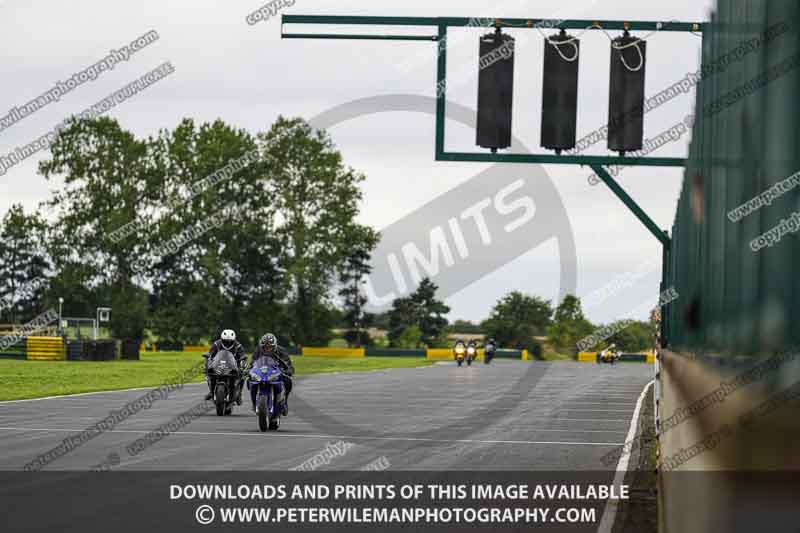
point(268, 346)
point(489, 350)
point(227, 341)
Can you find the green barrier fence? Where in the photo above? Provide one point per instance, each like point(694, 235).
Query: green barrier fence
point(17, 351)
point(737, 291)
point(392, 352)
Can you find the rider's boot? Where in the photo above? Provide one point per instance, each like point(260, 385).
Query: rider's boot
point(285, 406)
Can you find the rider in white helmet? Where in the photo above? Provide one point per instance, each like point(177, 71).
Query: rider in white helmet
point(228, 342)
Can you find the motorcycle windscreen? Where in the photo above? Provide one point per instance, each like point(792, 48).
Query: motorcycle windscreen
point(266, 361)
point(224, 362)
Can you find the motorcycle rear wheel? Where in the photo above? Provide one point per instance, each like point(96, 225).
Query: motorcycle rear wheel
point(220, 398)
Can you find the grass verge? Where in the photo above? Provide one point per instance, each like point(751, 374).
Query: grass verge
point(36, 379)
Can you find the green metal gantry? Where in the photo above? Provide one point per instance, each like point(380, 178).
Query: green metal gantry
point(597, 163)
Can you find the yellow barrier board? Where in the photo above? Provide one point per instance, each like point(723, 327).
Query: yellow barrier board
point(199, 348)
point(46, 349)
point(334, 352)
point(446, 354)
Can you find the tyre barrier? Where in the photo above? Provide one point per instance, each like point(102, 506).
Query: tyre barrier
point(130, 350)
point(105, 350)
point(74, 350)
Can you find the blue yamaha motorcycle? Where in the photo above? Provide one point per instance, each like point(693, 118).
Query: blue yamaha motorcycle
point(267, 392)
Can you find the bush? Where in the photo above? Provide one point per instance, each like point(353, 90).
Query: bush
point(357, 338)
point(535, 349)
point(410, 338)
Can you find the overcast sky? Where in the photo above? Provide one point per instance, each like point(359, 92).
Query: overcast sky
point(246, 75)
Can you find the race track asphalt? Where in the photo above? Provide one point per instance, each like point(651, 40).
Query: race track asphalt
point(511, 415)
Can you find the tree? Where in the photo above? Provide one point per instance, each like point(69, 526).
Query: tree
point(318, 199)
point(422, 310)
point(465, 326)
point(111, 179)
point(432, 322)
point(24, 265)
point(224, 229)
point(410, 338)
point(229, 274)
point(402, 316)
point(382, 320)
point(352, 277)
point(569, 325)
point(631, 335)
point(516, 319)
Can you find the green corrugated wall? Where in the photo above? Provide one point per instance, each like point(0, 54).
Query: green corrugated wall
point(733, 300)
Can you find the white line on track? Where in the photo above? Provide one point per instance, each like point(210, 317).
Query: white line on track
point(592, 419)
point(350, 437)
point(563, 409)
point(80, 394)
point(610, 513)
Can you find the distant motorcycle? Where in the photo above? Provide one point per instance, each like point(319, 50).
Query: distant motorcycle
point(267, 392)
point(609, 355)
point(225, 377)
point(459, 351)
point(472, 354)
point(489, 353)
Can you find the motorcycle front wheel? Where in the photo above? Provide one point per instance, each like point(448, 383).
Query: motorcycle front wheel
point(275, 421)
point(262, 413)
point(220, 398)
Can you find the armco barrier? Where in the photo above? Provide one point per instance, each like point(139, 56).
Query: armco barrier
point(46, 349)
point(511, 354)
point(18, 351)
point(394, 352)
point(334, 352)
